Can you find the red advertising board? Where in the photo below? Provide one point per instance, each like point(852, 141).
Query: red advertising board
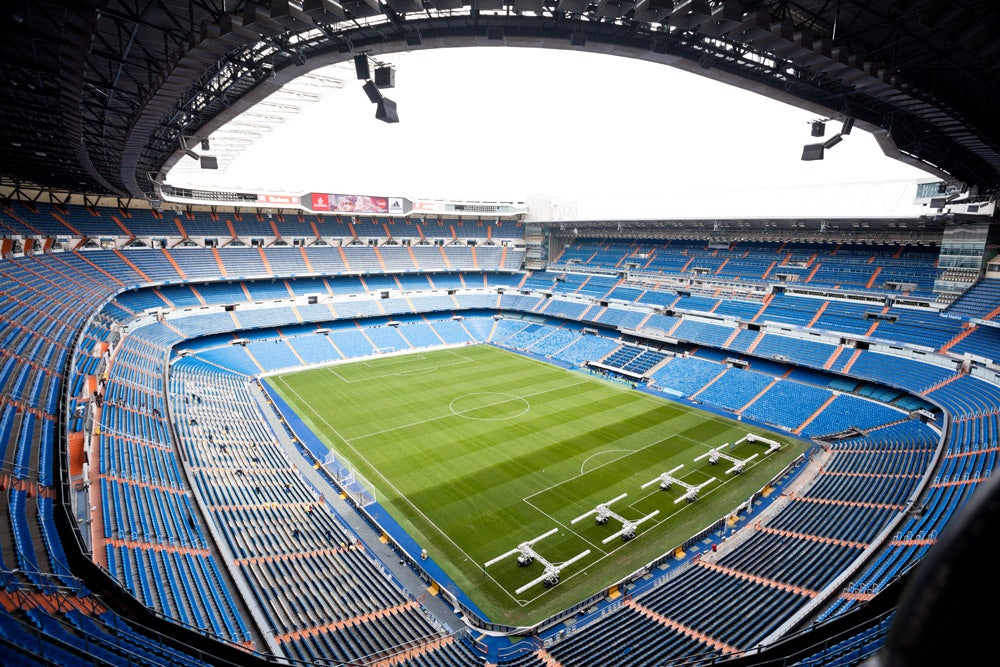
point(320, 202)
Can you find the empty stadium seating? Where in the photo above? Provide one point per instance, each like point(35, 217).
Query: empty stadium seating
point(234, 542)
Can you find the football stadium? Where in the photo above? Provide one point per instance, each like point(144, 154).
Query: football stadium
point(248, 426)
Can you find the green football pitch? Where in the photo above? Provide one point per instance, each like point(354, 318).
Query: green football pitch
point(474, 450)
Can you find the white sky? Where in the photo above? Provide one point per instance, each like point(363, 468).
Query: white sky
point(614, 137)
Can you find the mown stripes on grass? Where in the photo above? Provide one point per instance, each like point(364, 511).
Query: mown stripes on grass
point(476, 449)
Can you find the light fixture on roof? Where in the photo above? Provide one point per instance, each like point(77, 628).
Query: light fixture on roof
point(372, 91)
point(384, 78)
point(206, 161)
point(818, 129)
point(812, 152)
point(361, 67)
point(816, 151)
point(386, 111)
point(833, 141)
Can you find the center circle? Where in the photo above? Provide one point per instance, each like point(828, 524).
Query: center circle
point(489, 406)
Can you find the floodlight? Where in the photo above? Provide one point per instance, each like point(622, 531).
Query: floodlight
point(833, 141)
point(848, 125)
point(386, 111)
point(385, 76)
point(361, 67)
point(371, 90)
point(191, 154)
point(812, 152)
point(205, 144)
point(818, 128)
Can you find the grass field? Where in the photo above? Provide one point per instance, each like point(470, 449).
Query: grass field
point(476, 449)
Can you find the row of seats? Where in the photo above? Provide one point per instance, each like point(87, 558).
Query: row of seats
point(898, 325)
point(152, 538)
point(70, 219)
point(828, 265)
point(981, 301)
point(898, 482)
point(311, 578)
point(80, 271)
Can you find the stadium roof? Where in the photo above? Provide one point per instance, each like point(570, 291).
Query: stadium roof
point(96, 96)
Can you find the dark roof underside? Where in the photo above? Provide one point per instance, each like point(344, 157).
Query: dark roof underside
point(94, 97)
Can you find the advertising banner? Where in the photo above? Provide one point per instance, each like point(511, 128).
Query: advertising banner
point(291, 200)
point(319, 202)
point(334, 203)
point(428, 207)
point(358, 204)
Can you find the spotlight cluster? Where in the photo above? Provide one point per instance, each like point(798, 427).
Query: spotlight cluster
point(385, 77)
point(818, 129)
point(207, 161)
